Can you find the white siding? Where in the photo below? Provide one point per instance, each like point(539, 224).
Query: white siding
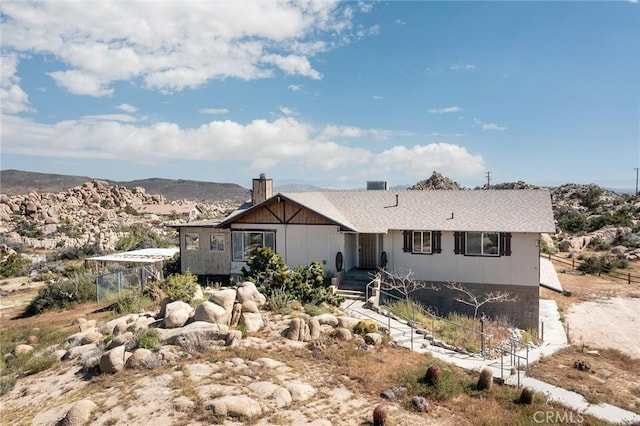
point(521, 268)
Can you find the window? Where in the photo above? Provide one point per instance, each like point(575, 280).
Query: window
point(244, 242)
point(191, 241)
point(217, 242)
point(482, 243)
point(422, 242)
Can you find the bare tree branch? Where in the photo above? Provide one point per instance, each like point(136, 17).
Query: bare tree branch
point(471, 299)
point(403, 283)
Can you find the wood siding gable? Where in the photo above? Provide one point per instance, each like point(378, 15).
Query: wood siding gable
point(283, 212)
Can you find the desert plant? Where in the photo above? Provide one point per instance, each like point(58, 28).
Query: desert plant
point(380, 415)
point(148, 339)
point(131, 303)
point(527, 396)
point(432, 376)
point(485, 381)
point(180, 286)
point(63, 293)
point(139, 237)
point(37, 364)
point(365, 326)
point(14, 265)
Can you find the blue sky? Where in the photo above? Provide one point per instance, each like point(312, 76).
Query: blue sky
point(332, 94)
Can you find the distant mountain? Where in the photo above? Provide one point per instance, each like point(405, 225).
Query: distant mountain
point(16, 182)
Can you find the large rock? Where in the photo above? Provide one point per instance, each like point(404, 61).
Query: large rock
point(119, 340)
point(142, 359)
point(327, 319)
point(251, 321)
point(225, 298)
point(178, 305)
point(300, 391)
point(248, 291)
point(79, 414)
point(113, 360)
point(276, 395)
point(22, 349)
point(236, 406)
point(177, 318)
point(298, 330)
point(92, 337)
point(314, 329)
point(198, 334)
point(210, 312)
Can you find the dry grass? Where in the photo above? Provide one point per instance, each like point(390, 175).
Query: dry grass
point(614, 377)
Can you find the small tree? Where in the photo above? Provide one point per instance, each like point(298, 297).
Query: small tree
point(403, 283)
point(467, 297)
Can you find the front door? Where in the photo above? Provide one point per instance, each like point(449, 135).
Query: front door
point(367, 251)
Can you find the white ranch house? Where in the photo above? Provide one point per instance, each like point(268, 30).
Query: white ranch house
point(486, 240)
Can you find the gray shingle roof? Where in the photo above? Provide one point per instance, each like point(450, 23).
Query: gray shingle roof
point(462, 210)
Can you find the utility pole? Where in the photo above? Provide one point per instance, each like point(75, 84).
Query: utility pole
point(636, 169)
point(489, 180)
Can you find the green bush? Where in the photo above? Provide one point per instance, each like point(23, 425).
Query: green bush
point(303, 283)
point(139, 237)
point(573, 223)
point(180, 286)
point(14, 266)
point(132, 303)
point(63, 293)
point(600, 264)
point(7, 383)
point(591, 198)
point(148, 339)
point(36, 364)
point(450, 383)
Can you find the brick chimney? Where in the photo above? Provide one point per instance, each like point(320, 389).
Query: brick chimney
point(262, 189)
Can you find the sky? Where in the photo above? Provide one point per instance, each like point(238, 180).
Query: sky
point(327, 93)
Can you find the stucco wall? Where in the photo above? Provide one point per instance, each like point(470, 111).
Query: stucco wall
point(521, 268)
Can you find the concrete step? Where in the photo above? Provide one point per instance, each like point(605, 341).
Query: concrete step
point(350, 294)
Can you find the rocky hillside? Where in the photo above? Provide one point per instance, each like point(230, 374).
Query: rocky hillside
point(94, 214)
point(16, 182)
point(436, 181)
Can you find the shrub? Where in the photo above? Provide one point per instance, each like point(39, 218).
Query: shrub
point(599, 264)
point(449, 384)
point(62, 294)
point(279, 301)
point(7, 383)
point(304, 283)
point(180, 286)
point(37, 364)
point(132, 303)
point(573, 223)
point(14, 265)
point(139, 237)
point(148, 339)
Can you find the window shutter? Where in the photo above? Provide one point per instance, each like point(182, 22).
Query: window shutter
point(436, 242)
point(458, 240)
point(407, 241)
point(505, 244)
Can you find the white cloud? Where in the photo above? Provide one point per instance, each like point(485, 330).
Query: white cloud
point(295, 87)
point(377, 98)
point(293, 64)
point(127, 108)
point(126, 118)
point(445, 110)
point(488, 126)
point(420, 159)
point(169, 46)
point(12, 98)
point(400, 22)
point(468, 67)
point(287, 111)
point(213, 111)
point(260, 144)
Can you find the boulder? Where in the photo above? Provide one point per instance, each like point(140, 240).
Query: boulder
point(277, 395)
point(251, 321)
point(298, 330)
point(32, 340)
point(236, 406)
point(248, 291)
point(210, 312)
point(178, 305)
point(327, 319)
point(79, 414)
point(113, 360)
point(225, 298)
point(235, 314)
point(300, 391)
point(344, 334)
point(84, 352)
point(119, 340)
point(198, 333)
point(374, 339)
point(22, 349)
point(233, 339)
point(250, 306)
point(314, 329)
point(87, 325)
point(92, 337)
point(142, 359)
point(177, 318)
point(347, 322)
